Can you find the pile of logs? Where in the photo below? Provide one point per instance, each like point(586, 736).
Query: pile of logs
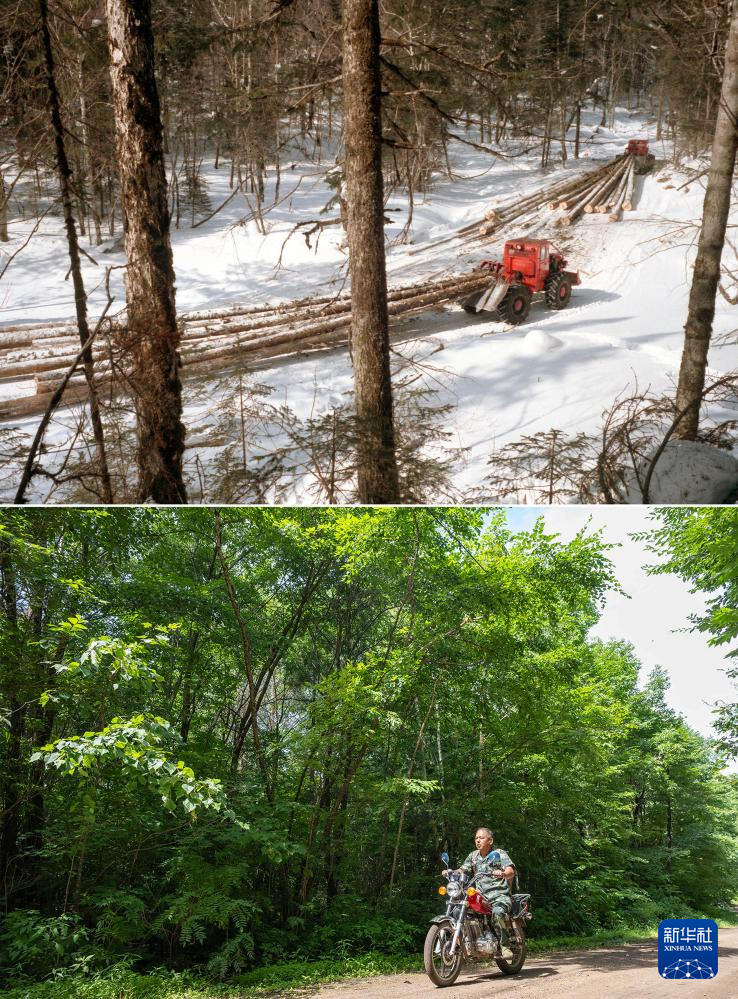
point(560, 195)
point(610, 191)
point(571, 196)
point(210, 341)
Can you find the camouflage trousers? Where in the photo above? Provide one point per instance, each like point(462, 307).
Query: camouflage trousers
point(501, 906)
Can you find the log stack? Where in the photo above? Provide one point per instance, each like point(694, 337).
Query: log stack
point(523, 212)
point(611, 191)
point(210, 342)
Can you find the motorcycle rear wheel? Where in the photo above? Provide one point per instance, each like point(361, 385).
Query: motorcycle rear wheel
point(440, 967)
point(518, 959)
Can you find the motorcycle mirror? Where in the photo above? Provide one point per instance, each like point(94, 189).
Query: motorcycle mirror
point(445, 859)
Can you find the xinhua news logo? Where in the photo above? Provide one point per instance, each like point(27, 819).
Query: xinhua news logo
point(688, 948)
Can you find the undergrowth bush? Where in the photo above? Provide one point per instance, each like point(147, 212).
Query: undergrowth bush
point(344, 938)
point(35, 946)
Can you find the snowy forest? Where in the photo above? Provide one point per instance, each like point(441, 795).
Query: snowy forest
point(237, 240)
point(234, 742)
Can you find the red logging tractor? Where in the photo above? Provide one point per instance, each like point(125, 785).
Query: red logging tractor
point(529, 267)
point(644, 161)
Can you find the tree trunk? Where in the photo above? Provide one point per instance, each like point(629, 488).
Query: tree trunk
point(11, 791)
point(4, 237)
point(701, 311)
point(153, 336)
point(406, 796)
point(188, 707)
point(80, 298)
point(369, 321)
point(86, 183)
point(247, 662)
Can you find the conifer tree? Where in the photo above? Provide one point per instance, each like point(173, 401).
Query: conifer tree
point(698, 329)
point(152, 333)
point(365, 197)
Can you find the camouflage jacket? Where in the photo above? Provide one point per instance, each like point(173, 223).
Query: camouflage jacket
point(488, 885)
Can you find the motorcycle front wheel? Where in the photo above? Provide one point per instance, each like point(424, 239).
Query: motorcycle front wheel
point(518, 959)
point(441, 967)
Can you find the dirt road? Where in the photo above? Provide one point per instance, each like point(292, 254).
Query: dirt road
point(627, 972)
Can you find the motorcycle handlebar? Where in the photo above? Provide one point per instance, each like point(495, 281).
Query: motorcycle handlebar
point(449, 871)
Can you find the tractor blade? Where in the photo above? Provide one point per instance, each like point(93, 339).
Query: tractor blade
point(491, 298)
point(470, 304)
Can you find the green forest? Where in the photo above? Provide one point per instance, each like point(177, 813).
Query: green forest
point(236, 741)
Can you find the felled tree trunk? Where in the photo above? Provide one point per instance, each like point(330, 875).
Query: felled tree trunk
point(369, 324)
point(701, 310)
point(153, 336)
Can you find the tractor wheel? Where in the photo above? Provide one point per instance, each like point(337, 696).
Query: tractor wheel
point(515, 306)
point(558, 291)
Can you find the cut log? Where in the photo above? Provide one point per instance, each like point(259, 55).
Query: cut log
point(617, 203)
point(589, 184)
point(590, 197)
point(628, 199)
point(618, 193)
point(603, 189)
point(511, 210)
point(604, 200)
point(48, 382)
point(226, 335)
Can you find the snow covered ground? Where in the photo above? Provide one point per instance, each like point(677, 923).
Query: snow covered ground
point(621, 333)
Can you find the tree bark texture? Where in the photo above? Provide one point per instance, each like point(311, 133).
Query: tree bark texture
point(153, 336)
point(4, 236)
point(369, 319)
point(701, 310)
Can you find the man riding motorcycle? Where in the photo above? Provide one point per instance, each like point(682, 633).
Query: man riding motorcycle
point(495, 872)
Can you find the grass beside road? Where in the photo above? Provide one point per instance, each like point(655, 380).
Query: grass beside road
point(609, 938)
point(290, 977)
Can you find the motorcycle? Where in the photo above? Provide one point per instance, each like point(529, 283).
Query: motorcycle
point(467, 930)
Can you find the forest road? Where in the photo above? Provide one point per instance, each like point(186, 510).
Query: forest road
point(626, 972)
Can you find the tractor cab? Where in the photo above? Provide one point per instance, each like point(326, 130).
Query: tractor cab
point(530, 261)
point(528, 267)
point(638, 148)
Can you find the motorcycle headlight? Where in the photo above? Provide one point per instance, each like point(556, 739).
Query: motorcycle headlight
point(454, 890)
